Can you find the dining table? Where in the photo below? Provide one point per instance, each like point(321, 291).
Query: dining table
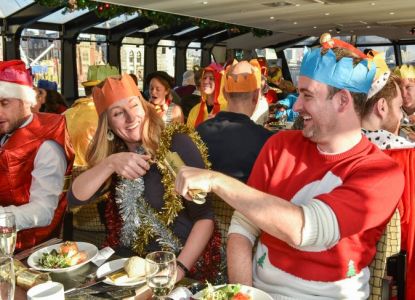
point(99, 291)
point(77, 277)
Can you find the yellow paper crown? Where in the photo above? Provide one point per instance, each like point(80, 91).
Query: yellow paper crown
point(405, 71)
point(114, 90)
point(382, 72)
point(379, 59)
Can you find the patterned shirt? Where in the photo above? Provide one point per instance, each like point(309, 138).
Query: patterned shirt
point(387, 140)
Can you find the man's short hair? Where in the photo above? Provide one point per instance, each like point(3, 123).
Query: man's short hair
point(359, 99)
point(88, 90)
point(388, 92)
point(240, 96)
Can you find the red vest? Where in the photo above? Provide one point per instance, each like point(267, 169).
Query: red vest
point(16, 165)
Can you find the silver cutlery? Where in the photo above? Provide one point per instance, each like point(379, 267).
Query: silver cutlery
point(25, 253)
point(93, 281)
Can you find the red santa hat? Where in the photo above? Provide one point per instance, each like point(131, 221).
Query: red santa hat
point(16, 81)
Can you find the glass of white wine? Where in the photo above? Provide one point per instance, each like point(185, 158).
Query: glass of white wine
point(161, 272)
point(7, 234)
point(7, 279)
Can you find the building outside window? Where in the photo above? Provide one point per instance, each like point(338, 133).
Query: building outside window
point(166, 53)
point(193, 56)
point(90, 50)
point(41, 50)
point(132, 58)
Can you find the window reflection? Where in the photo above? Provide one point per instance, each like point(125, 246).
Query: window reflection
point(132, 60)
point(408, 54)
point(193, 56)
point(90, 50)
point(41, 50)
point(166, 54)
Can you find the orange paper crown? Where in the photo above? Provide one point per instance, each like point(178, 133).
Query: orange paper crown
point(246, 82)
point(114, 89)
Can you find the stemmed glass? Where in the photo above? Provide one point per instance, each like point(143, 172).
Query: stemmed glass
point(7, 245)
point(161, 272)
point(7, 234)
point(7, 279)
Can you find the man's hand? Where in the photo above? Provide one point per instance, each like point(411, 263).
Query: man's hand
point(129, 165)
point(190, 178)
point(411, 119)
point(411, 137)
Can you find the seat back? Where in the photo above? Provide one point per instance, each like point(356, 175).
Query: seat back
point(223, 216)
point(87, 217)
point(388, 245)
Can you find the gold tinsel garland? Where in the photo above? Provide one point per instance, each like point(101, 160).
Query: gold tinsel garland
point(172, 201)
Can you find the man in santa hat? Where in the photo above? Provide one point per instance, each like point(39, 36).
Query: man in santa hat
point(34, 157)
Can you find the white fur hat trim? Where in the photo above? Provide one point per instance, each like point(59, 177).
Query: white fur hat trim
point(18, 91)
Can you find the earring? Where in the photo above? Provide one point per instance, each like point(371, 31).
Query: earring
point(110, 135)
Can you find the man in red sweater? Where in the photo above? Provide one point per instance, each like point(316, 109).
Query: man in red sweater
point(318, 200)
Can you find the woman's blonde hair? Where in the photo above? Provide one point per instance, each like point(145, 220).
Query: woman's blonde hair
point(100, 147)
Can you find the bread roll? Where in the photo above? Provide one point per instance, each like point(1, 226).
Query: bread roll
point(135, 267)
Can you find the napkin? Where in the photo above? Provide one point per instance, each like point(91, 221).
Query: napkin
point(102, 256)
point(180, 293)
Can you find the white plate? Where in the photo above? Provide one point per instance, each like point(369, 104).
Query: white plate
point(113, 265)
point(91, 252)
point(255, 293)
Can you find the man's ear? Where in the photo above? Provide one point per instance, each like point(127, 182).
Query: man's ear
point(256, 96)
point(381, 108)
point(344, 99)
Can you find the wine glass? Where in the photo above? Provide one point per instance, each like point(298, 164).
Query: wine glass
point(7, 234)
point(7, 279)
point(161, 272)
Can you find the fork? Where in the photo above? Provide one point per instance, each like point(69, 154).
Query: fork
point(27, 252)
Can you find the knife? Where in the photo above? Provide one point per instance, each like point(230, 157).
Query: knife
point(92, 282)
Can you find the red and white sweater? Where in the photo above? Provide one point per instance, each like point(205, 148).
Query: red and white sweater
point(361, 187)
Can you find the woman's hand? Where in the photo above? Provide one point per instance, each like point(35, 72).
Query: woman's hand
point(129, 164)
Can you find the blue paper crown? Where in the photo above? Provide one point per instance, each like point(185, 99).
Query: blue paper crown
point(340, 74)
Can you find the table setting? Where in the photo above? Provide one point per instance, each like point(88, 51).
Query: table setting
point(55, 269)
point(77, 270)
point(88, 279)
